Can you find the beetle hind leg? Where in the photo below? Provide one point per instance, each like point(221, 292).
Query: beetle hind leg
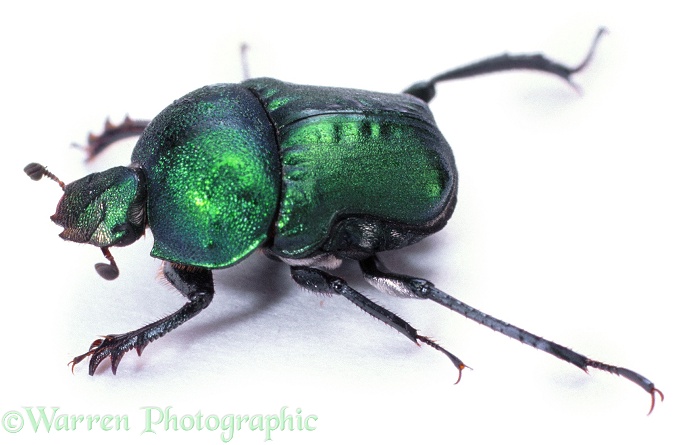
point(407, 286)
point(194, 283)
point(425, 90)
point(322, 282)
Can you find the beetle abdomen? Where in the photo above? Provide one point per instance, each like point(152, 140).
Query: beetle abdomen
point(213, 176)
point(356, 163)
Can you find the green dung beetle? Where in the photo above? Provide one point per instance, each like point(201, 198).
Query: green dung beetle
point(311, 176)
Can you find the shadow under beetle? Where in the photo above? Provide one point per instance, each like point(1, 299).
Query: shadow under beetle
point(309, 175)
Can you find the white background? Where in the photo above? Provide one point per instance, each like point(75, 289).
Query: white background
point(571, 222)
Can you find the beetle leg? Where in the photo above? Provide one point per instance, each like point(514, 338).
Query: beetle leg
point(406, 286)
point(425, 90)
point(322, 282)
point(194, 283)
point(244, 56)
point(111, 134)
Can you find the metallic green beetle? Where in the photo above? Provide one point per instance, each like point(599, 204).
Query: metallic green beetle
point(309, 175)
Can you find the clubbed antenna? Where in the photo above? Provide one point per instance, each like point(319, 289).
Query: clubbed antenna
point(37, 171)
point(108, 271)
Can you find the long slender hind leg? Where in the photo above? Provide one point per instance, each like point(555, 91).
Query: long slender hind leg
point(406, 286)
point(425, 90)
point(322, 282)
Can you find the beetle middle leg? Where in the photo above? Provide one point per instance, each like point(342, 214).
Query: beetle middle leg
point(322, 282)
point(407, 286)
point(194, 283)
point(112, 133)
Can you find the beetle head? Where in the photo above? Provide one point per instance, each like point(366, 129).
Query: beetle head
point(104, 209)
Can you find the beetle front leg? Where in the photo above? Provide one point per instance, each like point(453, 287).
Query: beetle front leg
point(322, 282)
point(406, 286)
point(194, 283)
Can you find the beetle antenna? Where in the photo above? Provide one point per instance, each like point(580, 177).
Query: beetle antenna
point(108, 271)
point(37, 171)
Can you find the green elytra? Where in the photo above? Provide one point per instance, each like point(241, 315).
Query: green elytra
point(355, 162)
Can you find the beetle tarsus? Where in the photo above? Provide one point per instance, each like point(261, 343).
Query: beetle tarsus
point(113, 346)
point(655, 391)
point(453, 358)
point(592, 49)
point(632, 376)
